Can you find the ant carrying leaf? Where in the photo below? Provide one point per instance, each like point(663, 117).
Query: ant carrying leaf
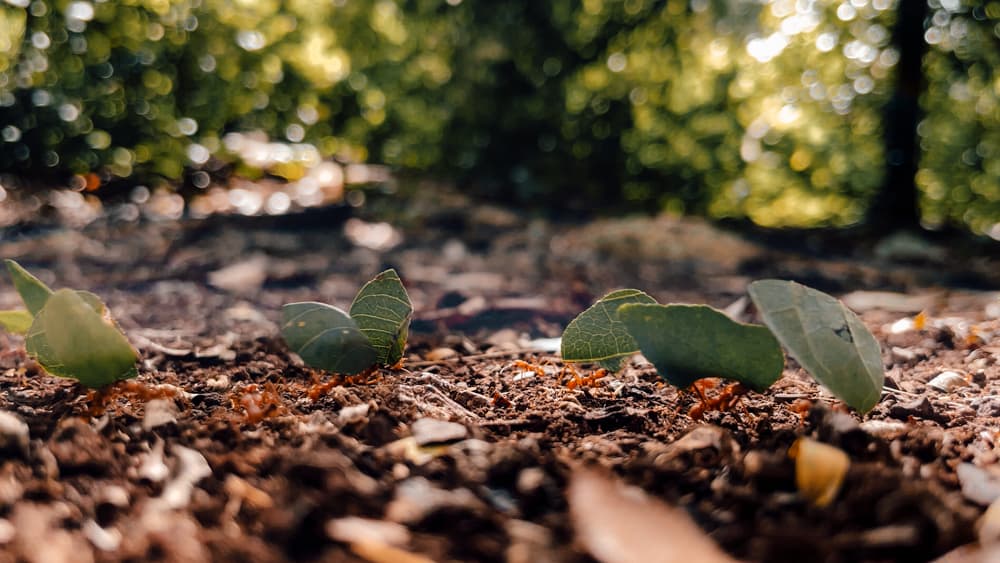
point(71, 333)
point(373, 333)
point(577, 381)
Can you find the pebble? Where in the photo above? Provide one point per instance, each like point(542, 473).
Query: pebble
point(158, 413)
point(901, 326)
point(353, 413)
point(365, 530)
point(883, 428)
point(921, 407)
point(417, 497)
point(432, 431)
point(13, 433)
point(978, 485)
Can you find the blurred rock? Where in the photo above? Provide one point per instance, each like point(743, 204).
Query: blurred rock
point(428, 431)
point(417, 497)
point(13, 434)
point(978, 485)
point(242, 277)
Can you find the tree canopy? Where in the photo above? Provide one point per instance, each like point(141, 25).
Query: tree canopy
point(774, 111)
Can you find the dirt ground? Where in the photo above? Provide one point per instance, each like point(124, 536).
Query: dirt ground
point(232, 450)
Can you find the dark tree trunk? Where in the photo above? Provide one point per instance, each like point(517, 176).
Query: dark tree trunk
point(896, 206)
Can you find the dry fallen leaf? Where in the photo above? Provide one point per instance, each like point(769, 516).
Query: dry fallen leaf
point(819, 470)
point(622, 525)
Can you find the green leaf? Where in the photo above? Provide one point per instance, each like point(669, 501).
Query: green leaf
point(17, 322)
point(382, 310)
point(825, 337)
point(33, 292)
point(597, 335)
point(689, 342)
point(325, 337)
point(71, 338)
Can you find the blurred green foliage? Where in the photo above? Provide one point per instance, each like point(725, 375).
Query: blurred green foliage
point(960, 136)
point(732, 108)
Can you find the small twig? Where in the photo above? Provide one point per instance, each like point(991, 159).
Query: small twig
point(162, 333)
point(485, 356)
point(790, 396)
point(892, 391)
point(506, 422)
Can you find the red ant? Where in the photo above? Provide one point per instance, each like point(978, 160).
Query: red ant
point(366, 377)
point(98, 400)
point(592, 380)
point(801, 407)
point(258, 404)
point(724, 401)
point(501, 401)
point(575, 380)
point(525, 366)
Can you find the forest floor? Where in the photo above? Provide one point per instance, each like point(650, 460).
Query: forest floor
point(239, 452)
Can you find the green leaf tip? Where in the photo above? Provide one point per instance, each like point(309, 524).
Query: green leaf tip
point(72, 336)
point(17, 322)
point(825, 337)
point(597, 335)
point(382, 311)
point(689, 342)
point(33, 292)
point(326, 337)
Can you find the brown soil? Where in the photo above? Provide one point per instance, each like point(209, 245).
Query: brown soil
point(238, 452)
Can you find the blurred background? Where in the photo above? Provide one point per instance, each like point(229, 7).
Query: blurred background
point(794, 113)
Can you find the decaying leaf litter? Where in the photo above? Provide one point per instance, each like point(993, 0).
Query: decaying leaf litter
point(465, 455)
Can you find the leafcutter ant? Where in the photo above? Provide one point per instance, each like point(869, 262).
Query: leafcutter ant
point(724, 401)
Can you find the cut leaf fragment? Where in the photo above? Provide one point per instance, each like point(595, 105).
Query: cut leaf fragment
point(17, 322)
point(33, 292)
point(598, 335)
point(325, 337)
point(73, 336)
point(825, 337)
point(819, 470)
point(689, 342)
point(382, 312)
